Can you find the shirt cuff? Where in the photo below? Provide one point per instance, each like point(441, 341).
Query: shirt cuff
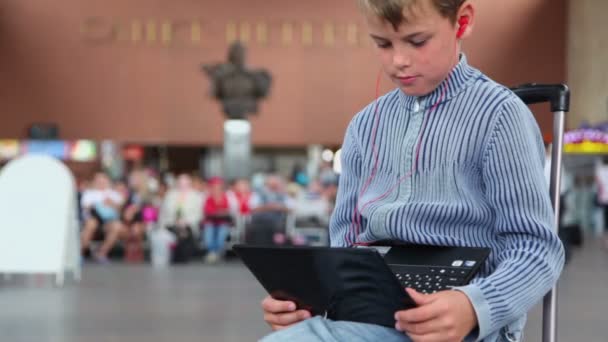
point(482, 310)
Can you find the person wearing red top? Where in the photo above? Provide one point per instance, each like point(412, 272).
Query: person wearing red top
point(218, 210)
point(242, 193)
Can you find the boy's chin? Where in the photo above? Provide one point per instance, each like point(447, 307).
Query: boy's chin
point(416, 92)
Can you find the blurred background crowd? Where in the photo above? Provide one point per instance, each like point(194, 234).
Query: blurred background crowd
point(201, 217)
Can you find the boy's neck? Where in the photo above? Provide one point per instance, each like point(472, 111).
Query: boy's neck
point(459, 54)
point(459, 77)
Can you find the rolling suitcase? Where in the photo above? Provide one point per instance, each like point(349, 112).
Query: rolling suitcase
point(558, 96)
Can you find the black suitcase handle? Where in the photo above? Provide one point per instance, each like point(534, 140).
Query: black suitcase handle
point(558, 95)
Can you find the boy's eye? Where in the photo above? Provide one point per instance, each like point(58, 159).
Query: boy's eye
point(418, 43)
point(383, 45)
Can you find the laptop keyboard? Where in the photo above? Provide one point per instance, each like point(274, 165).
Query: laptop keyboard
point(430, 279)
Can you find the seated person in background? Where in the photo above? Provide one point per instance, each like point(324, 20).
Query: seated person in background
point(327, 175)
point(181, 214)
point(312, 207)
point(83, 185)
point(601, 181)
point(269, 209)
point(241, 190)
point(294, 190)
point(137, 196)
point(219, 212)
point(199, 185)
point(101, 205)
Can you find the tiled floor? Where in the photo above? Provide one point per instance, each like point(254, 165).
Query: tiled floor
point(221, 303)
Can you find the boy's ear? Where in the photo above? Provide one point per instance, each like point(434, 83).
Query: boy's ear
point(465, 20)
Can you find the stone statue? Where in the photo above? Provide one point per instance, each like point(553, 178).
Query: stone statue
point(238, 88)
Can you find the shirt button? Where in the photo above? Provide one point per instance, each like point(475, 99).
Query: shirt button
point(416, 106)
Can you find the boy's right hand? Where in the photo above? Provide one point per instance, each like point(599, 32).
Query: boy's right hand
point(282, 314)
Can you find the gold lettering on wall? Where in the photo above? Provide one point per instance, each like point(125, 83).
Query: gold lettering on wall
point(136, 29)
point(261, 30)
point(122, 31)
point(151, 31)
point(97, 29)
point(185, 33)
point(195, 32)
point(287, 34)
point(189, 32)
point(231, 32)
point(329, 34)
point(307, 34)
point(166, 32)
point(352, 34)
point(245, 32)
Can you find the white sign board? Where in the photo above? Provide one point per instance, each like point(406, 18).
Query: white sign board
point(38, 218)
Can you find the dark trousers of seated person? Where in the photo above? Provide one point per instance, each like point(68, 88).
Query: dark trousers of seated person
point(263, 227)
point(185, 245)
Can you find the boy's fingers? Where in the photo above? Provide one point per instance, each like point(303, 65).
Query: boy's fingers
point(424, 328)
point(286, 319)
point(419, 314)
point(428, 337)
point(278, 327)
point(419, 298)
point(272, 305)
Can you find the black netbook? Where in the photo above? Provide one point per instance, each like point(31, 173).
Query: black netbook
point(359, 284)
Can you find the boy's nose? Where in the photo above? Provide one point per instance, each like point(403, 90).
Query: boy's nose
point(401, 61)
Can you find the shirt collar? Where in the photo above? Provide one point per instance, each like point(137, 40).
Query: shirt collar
point(459, 79)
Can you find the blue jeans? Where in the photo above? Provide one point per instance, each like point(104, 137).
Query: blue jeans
point(215, 237)
point(318, 329)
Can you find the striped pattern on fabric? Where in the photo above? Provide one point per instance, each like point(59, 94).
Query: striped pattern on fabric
point(478, 181)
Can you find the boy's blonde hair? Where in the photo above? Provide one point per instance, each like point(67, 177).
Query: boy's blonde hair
point(392, 10)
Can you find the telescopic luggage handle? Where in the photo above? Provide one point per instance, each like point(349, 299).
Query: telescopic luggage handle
point(558, 95)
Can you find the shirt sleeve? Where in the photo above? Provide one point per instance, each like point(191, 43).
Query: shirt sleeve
point(531, 256)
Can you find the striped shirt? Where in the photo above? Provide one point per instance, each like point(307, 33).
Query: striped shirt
point(462, 166)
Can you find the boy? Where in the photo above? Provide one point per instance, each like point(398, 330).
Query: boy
point(449, 158)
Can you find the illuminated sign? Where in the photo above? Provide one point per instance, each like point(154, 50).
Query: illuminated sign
point(586, 141)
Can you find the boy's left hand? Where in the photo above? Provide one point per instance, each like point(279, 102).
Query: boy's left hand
point(446, 316)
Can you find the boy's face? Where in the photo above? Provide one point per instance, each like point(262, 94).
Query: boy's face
point(420, 54)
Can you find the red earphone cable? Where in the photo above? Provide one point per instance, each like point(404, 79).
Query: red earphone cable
point(357, 212)
point(374, 153)
point(356, 217)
